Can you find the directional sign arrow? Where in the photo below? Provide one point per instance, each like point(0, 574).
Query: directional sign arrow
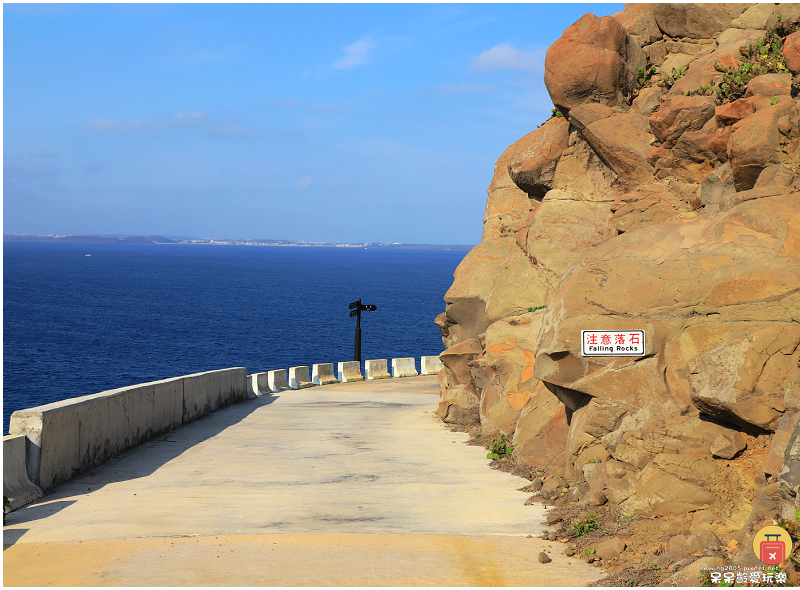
point(369, 307)
point(355, 304)
point(354, 313)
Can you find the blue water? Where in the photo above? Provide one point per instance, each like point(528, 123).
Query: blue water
point(75, 324)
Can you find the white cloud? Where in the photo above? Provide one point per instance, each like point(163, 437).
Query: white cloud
point(356, 53)
point(507, 57)
point(305, 182)
point(196, 121)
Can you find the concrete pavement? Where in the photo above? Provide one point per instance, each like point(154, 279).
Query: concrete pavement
point(338, 485)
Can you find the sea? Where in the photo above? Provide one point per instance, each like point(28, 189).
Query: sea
point(84, 318)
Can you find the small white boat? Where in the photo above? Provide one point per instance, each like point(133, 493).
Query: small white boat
point(88, 255)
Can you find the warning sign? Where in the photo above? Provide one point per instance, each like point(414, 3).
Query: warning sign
point(612, 342)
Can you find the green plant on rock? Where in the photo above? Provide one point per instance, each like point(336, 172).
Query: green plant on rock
point(626, 518)
point(557, 113)
point(595, 460)
point(500, 448)
point(643, 76)
point(536, 308)
point(676, 75)
point(773, 100)
point(705, 90)
point(584, 525)
point(765, 56)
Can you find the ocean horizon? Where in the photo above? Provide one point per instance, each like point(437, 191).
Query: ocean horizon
point(81, 318)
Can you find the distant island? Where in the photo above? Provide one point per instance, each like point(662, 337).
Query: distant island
point(226, 242)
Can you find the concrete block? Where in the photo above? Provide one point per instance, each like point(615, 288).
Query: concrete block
point(257, 385)
point(323, 374)
point(277, 380)
point(430, 365)
point(350, 371)
point(404, 367)
point(69, 437)
point(17, 486)
point(376, 369)
point(299, 378)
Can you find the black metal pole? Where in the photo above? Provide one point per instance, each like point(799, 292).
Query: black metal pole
point(357, 353)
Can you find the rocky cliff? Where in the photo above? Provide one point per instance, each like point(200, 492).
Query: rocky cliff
point(663, 195)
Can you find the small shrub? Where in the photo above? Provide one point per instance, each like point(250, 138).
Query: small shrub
point(595, 460)
point(643, 76)
point(583, 526)
point(676, 75)
point(765, 56)
point(773, 100)
point(557, 113)
point(537, 307)
point(500, 448)
point(626, 518)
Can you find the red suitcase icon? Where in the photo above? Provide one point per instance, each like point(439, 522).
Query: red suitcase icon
point(772, 552)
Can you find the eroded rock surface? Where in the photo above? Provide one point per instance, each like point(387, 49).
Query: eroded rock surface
point(667, 203)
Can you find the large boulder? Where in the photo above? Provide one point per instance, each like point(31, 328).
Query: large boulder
point(743, 380)
point(595, 60)
point(622, 140)
point(640, 23)
point(679, 114)
point(791, 52)
point(755, 143)
point(532, 163)
point(696, 21)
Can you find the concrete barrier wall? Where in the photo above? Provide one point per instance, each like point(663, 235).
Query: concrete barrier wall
point(404, 367)
point(277, 380)
point(74, 435)
point(376, 369)
point(323, 374)
point(430, 365)
point(17, 486)
point(50, 444)
point(350, 371)
point(299, 378)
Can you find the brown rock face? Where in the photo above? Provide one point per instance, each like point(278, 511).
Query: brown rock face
point(533, 166)
point(679, 114)
point(755, 143)
point(594, 61)
point(665, 208)
point(696, 21)
point(623, 141)
point(791, 52)
point(639, 22)
point(506, 205)
point(657, 279)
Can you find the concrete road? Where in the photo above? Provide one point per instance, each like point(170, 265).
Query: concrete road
point(350, 484)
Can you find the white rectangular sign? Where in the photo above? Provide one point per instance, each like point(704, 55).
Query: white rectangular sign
point(612, 342)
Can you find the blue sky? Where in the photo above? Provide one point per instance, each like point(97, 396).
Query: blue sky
point(318, 122)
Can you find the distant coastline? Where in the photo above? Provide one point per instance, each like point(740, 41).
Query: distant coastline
point(223, 242)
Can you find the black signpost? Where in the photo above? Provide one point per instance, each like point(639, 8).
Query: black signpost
point(357, 307)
